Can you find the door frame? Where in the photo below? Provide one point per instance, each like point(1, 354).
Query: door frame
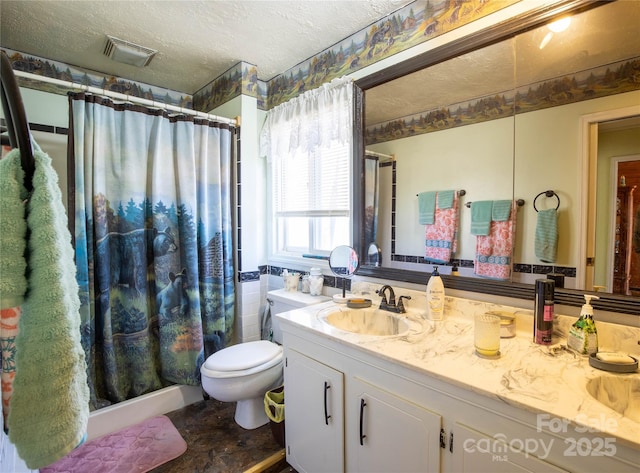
point(587, 165)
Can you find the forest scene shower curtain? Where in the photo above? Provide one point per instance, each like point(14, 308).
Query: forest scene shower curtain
point(153, 240)
point(371, 198)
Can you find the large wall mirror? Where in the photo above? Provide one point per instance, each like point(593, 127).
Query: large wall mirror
point(528, 106)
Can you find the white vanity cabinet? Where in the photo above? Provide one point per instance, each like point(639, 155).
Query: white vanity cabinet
point(337, 421)
point(390, 434)
point(313, 415)
point(349, 408)
point(384, 432)
point(475, 452)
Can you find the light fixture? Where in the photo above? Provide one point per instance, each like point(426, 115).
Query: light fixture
point(560, 25)
point(128, 53)
point(557, 26)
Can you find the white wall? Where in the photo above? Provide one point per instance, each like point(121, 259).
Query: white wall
point(49, 109)
point(253, 180)
point(45, 108)
point(551, 159)
point(476, 158)
point(251, 208)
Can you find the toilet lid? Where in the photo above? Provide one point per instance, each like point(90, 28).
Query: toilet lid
point(243, 356)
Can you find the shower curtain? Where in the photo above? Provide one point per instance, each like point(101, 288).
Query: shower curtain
point(371, 197)
point(153, 241)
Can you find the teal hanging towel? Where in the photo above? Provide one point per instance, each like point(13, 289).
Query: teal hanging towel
point(481, 217)
point(546, 239)
point(426, 208)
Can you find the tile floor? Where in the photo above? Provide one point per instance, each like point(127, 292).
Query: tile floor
point(216, 444)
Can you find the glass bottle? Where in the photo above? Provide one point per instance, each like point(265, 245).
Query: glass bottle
point(316, 281)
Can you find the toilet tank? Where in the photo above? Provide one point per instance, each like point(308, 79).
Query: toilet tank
point(284, 301)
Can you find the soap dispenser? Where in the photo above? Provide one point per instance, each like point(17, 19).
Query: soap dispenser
point(583, 336)
point(435, 296)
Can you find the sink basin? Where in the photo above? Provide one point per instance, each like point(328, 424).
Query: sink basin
point(366, 321)
point(620, 393)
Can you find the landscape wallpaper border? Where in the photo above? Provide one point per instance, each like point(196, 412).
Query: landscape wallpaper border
point(420, 21)
point(61, 71)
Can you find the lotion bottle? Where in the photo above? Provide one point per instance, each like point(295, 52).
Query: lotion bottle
point(435, 296)
point(583, 336)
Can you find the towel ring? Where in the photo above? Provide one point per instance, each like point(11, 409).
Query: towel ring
point(548, 193)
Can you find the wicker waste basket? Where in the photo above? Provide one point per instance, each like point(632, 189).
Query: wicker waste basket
point(274, 408)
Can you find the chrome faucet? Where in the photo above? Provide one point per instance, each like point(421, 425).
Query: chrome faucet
point(390, 304)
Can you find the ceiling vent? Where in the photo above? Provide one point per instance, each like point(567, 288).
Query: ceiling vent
point(128, 53)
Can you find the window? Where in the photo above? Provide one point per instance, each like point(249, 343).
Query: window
point(309, 147)
point(311, 200)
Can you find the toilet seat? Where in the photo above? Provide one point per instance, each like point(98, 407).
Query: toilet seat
point(242, 359)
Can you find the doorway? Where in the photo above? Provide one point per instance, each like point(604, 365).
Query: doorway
point(624, 275)
point(600, 134)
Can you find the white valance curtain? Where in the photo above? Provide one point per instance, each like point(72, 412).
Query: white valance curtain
point(308, 145)
point(318, 118)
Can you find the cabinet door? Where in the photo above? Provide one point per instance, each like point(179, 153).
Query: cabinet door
point(390, 434)
point(314, 415)
point(478, 453)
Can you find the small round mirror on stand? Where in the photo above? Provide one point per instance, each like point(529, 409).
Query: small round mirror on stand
point(343, 262)
point(374, 255)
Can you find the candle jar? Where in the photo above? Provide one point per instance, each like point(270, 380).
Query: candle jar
point(291, 282)
point(486, 336)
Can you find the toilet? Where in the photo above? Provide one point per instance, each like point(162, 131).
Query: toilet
point(243, 373)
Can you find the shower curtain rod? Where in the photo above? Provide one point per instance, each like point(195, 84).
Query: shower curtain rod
point(128, 98)
point(392, 157)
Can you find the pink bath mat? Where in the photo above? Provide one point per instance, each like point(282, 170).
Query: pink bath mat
point(138, 448)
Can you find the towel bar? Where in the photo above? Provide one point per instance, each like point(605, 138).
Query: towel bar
point(520, 203)
point(460, 193)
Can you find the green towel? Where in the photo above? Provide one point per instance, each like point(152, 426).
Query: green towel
point(546, 240)
point(13, 281)
point(481, 217)
point(500, 210)
point(426, 208)
point(445, 199)
point(50, 402)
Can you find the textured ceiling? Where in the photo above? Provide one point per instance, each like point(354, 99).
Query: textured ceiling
point(197, 40)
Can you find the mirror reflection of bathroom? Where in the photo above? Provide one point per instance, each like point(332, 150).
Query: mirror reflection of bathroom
point(343, 262)
point(374, 255)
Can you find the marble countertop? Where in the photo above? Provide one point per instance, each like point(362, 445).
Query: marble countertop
point(537, 378)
